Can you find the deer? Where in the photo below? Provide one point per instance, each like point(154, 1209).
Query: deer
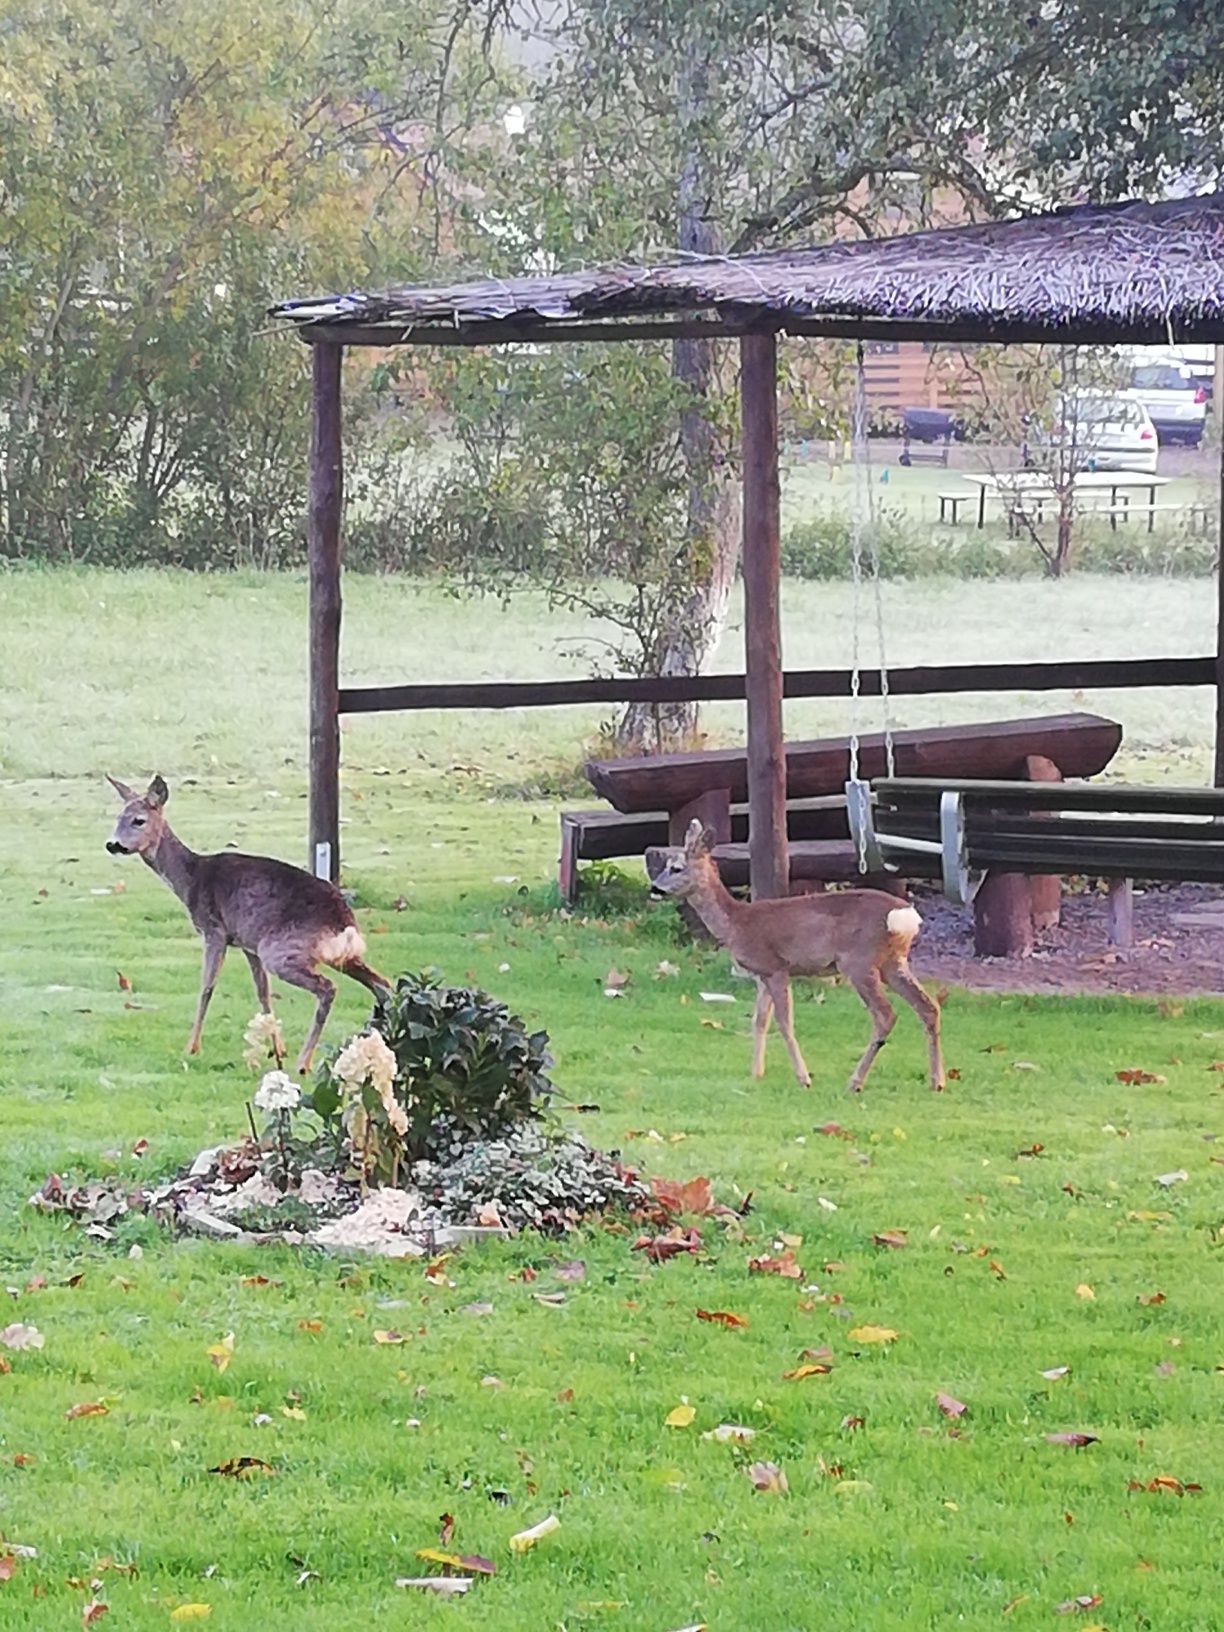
point(286, 921)
point(866, 935)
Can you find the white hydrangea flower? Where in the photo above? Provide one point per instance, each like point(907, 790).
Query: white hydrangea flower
point(277, 1092)
point(263, 1037)
point(368, 1059)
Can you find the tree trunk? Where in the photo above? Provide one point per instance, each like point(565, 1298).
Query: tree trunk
point(693, 624)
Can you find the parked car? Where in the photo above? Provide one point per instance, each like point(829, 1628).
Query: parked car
point(1099, 430)
point(1175, 398)
point(930, 425)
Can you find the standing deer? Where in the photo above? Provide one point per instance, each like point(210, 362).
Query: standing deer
point(284, 919)
point(863, 933)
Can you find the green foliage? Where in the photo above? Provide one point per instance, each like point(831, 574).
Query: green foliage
point(461, 1056)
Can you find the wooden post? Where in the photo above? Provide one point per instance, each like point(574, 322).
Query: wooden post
point(323, 550)
point(1217, 405)
point(1120, 914)
point(1003, 917)
point(1045, 889)
point(767, 848)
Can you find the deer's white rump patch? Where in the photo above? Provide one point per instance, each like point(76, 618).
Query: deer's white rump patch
point(904, 923)
point(339, 949)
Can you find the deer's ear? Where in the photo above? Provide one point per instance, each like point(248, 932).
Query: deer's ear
point(158, 793)
point(695, 839)
point(121, 788)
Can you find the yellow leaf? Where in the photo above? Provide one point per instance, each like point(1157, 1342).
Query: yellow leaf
point(293, 1412)
point(390, 1337)
point(435, 1555)
point(872, 1334)
point(853, 1487)
point(1009, 1178)
point(800, 1372)
point(191, 1612)
point(681, 1417)
point(526, 1539)
point(220, 1354)
point(1083, 1290)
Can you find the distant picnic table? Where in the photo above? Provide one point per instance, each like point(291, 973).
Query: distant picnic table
point(1017, 486)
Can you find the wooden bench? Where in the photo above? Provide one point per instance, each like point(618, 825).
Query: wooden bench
point(1124, 510)
point(655, 796)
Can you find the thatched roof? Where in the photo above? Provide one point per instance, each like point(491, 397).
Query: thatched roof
point(1136, 272)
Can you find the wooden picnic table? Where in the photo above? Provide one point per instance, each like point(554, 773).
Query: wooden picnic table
point(1017, 484)
point(706, 784)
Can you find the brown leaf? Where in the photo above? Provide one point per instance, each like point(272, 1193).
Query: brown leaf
point(1084, 1601)
point(849, 1424)
point(312, 1326)
point(784, 1264)
point(477, 1564)
point(446, 1529)
point(565, 1396)
point(890, 1238)
point(125, 984)
point(8, 1566)
point(1164, 1484)
point(767, 1476)
point(722, 1317)
point(1070, 1438)
point(93, 1612)
point(1014, 1603)
point(833, 1130)
point(257, 1280)
point(243, 1467)
point(950, 1407)
point(1147, 1299)
point(659, 1248)
point(811, 1369)
point(574, 1270)
point(88, 1408)
point(1135, 1076)
point(676, 1200)
point(23, 1459)
point(1030, 1150)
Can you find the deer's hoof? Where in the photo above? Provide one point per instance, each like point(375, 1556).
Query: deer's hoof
point(192, 1048)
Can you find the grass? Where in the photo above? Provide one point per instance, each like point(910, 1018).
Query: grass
point(659, 1528)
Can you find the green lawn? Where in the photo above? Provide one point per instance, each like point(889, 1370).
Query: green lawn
point(899, 1523)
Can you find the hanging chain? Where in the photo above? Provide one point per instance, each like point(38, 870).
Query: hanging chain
point(859, 502)
point(866, 502)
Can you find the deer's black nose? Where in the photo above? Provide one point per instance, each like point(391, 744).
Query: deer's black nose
point(114, 849)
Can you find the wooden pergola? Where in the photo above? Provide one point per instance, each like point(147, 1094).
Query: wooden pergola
point(1137, 273)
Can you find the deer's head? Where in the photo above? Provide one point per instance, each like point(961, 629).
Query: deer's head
point(141, 822)
point(686, 870)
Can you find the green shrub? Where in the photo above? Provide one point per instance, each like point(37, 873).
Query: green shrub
point(462, 1059)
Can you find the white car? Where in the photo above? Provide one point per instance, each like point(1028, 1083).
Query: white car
point(1174, 397)
point(1101, 430)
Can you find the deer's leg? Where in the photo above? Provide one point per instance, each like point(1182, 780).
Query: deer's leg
point(260, 976)
point(214, 957)
point(298, 972)
point(909, 991)
point(870, 988)
point(760, 1027)
point(367, 976)
point(779, 988)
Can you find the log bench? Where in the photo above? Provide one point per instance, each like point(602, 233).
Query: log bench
point(654, 797)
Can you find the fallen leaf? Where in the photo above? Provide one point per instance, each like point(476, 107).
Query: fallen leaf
point(950, 1407)
point(850, 1424)
point(1024, 1065)
point(93, 1612)
point(446, 1528)
point(477, 1309)
point(574, 1270)
point(722, 1317)
point(444, 1586)
point(293, 1412)
point(1075, 1439)
point(676, 1200)
point(553, 1300)
point(258, 1280)
point(89, 1408)
point(890, 1238)
point(8, 1566)
point(768, 1477)
point(1084, 1601)
point(1014, 1603)
point(526, 1539)
point(833, 1130)
point(615, 979)
point(565, 1396)
point(220, 1354)
point(17, 1337)
point(23, 1459)
point(716, 997)
point(852, 1487)
point(477, 1564)
point(1164, 1484)
point(1136, 1076)
point(1167, 1179)
point(659, 1248)
point(243, 1467)
point(125, 984)
point(1147, 1299)
point(1029, 1150)
point(491, 1382)
point(731, 1432)
point(1083, 1290)
point(784, 1264)
point(809, 1370)
point(191, 1612)
point(663, 969)
point(1055, 1372)
point(872, 1334)
point(390, 1337)
point(313, 1326)
point(681, 1416)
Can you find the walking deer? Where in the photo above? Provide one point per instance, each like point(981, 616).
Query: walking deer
point(284, 919)
point(865, 934)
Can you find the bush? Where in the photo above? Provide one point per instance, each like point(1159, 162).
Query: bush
point(462, 1062)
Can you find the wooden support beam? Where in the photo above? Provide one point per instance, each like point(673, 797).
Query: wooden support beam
point(323, 548)
point(762, 567)
point(1045, 889)
point(1218, 405)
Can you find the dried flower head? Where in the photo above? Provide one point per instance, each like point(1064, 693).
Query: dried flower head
point(277, 1092)
point(263, 1038)
point(368, 1059)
